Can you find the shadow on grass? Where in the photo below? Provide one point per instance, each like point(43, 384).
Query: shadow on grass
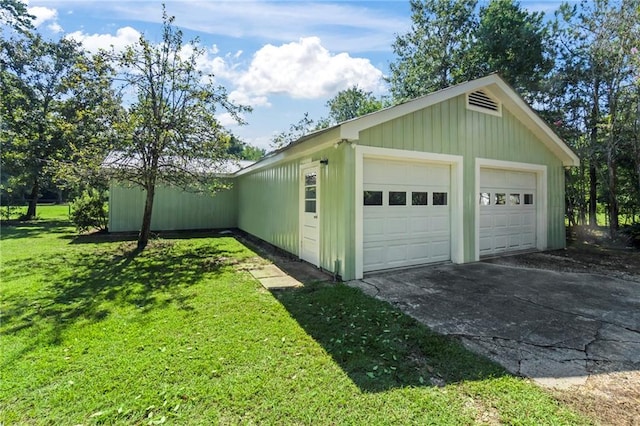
point(378, 346)
point(88, 285)
point(34, 228)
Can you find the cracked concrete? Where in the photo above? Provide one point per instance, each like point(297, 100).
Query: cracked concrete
point(555, 327)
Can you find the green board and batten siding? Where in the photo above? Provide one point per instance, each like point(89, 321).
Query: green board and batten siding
point(173, 209)
point(269, 204)
point(450, 128)
point(265, 199)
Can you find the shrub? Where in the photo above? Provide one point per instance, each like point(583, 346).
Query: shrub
point(89, 211)
point(632, 233)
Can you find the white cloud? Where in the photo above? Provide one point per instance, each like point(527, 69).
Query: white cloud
point(124, 37)
point(55, 27)
point(227, 120)
point(305, 70)
point(242, 98)
point(42, 14)
point(353, 27)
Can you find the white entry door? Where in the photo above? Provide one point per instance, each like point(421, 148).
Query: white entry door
point(406, 214)
point(309, 215)
point(507, 211)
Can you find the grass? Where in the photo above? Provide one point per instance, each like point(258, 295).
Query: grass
point(94, 333)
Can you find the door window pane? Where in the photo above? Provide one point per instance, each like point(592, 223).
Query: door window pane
point(310, 178)
point(372, 198)
point(439, 198)
point(514, 199)
point(528, 198)
point(419, 198)
point(310, 206)
point(485, 198)
point(397, 198)
point(500, 199)
point(310, 192)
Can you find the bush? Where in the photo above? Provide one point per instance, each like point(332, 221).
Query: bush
point(632, 233)
point(89, 211)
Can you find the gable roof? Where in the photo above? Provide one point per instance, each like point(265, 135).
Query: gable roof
point(350, 130)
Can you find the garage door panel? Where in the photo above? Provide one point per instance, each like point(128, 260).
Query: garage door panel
point(510, 226)
point(418, 225)
point(419, 252)
point(500, 221)
point(374, 226)
point(440, 250)
point(439, 224)
point(396, 225)
point(396, 236)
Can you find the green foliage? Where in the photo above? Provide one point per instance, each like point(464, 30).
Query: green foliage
point(243, 151)
point(632, 233)
point(514, 43)
point(169, 133)
point(436, 52)
point(351, 103)
point(252, 153)
point(14, 14)
point(450, 42)
point(89, 211)
point(295, 132)
point(51, 98)
point(594, 89)
point(100, 333)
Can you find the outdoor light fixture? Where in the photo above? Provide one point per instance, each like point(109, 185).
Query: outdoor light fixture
point(324, 161)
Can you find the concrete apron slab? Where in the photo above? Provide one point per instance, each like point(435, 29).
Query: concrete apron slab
point(556, 328)
point(273, 278)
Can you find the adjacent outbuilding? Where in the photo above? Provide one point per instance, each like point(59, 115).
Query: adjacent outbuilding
point(461, 173)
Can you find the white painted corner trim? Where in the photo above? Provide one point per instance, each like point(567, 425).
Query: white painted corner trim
point(542, 207)
point(456, 163)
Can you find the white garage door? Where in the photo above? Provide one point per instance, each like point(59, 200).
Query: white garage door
point(406, 214)
point(507, 211)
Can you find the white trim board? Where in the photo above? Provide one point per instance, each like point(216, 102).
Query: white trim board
point(456, 163)
point(542, 208)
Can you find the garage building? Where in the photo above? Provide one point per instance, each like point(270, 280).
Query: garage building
point(461, 173)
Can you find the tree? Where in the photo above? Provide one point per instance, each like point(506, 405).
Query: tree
point(169, 132)
point(15, 16)
point(351, 103)
point(295, 132)
point(436, 52)
point(596, 70)
point(450, 43)
point(514, 43)
point(41, 83)
point(243, 151)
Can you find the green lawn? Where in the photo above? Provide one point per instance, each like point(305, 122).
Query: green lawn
point(94, 333)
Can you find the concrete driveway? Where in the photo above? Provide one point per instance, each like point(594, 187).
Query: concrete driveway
point(557, 328)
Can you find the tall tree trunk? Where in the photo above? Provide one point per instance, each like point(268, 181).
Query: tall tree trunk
point(593, 193)
point(33, 199)
point(636, 140)
point(145, 230)
point(583, 207)
point(613, 196)
point(593, 170)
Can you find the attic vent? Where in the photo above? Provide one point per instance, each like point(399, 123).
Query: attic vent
point(483, 101)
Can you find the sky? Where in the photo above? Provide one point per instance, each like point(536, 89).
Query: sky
point(282, 58)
